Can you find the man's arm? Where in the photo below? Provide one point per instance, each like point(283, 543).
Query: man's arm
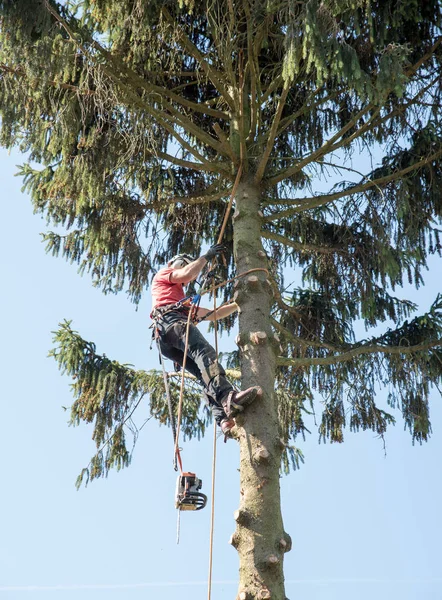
point(189, 272)
point(221, 312)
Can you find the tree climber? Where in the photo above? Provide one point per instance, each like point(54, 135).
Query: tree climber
point(170, 315)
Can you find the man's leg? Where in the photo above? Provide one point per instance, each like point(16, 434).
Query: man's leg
point(177, 355)
point(212, 374)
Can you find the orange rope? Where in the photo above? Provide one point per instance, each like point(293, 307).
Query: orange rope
point(212, 513)
point(180, 403)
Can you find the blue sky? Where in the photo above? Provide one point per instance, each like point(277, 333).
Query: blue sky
point(363, 525)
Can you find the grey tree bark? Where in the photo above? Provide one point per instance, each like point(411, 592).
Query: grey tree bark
point(259, 536)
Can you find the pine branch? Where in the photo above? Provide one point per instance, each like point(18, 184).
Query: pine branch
point(422, 333)
point(300, 246)
point(279, 300)
point(56, 84)
point(161, 91)
point(162, 117)
point(212, 73)
point(316, 201)
point(200, 198)
point(294, 339)
point(272, 87)
point(287, 121)
point(225, 143)
point(358, 351)
point(331, 145)
point(180, 162)
point(253, 66)
point(272, 135)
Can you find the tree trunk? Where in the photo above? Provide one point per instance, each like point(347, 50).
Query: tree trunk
point(259, 537)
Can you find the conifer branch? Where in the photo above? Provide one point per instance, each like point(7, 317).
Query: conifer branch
point(272, 135)
point(331, 145)
point(137, 79)
point(273, 86)
point(56, 84)
point(253, 68)
point(180, 162)
point(302, 341)
point(300, 246)
point(358, 351)
point(213, 74)
point(316, 201)
point(279, 300)
point(117, 427)
point(200, 198)
point(175, 116)
point(225, 143)
point(287, 121)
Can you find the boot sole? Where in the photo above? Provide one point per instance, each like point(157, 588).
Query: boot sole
point(245, 401)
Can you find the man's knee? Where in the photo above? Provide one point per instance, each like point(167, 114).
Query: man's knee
point(212, 370)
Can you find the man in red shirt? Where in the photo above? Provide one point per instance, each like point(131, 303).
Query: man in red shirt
point(201, 361)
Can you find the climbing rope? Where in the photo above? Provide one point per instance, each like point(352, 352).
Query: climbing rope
point(212, 511)
point(180, 402)
point(169, 403)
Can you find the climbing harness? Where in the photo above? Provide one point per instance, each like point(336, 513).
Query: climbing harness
point(190, 305)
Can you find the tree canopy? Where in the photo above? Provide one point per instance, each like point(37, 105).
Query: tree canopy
point(143, 116)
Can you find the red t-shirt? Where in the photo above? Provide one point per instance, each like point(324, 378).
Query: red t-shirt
point(164, 291)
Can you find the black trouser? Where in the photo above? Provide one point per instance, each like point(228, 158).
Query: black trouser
point(201, 360)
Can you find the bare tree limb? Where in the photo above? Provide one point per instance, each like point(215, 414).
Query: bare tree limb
point(299, 246)
point(201, 199)
point(213, 74)
point(331, 145)
point(355, 352)
point(272, 135)
point(309, 203)
point(302, 341)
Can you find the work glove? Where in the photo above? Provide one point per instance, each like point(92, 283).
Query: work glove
point(213, 251)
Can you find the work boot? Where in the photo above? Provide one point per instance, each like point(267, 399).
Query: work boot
point(226, 427)
point(236, 402)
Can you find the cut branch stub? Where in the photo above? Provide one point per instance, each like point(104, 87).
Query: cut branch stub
point(264, 594)
point(270, 286)
point(262, 254)
point(242, 517)
point(234, 541)
point(253, 280)
point(258, 337)
point(242, 596)
point(262, 454)
point(239, 340)
point(272, 560)
point(285, 543)
point(239, 295)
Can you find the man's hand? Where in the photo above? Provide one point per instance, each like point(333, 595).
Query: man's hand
point(213, 251)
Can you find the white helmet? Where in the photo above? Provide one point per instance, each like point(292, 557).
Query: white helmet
point(180, 260)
